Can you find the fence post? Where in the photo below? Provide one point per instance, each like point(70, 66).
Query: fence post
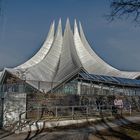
point(56, 113)
point(130, 110)
point(72, 112)
point(99, 109)
point(121, 110)
point(87, 110)
point(111, 108)
point(38, 113)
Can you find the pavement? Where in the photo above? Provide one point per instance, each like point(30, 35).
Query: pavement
point(81, 133)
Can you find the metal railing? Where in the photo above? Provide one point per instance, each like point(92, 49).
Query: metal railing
point(56, 113)
point(75, 112)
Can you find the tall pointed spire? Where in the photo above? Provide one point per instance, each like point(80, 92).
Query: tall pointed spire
point(84, 41)
point(83, 54)
point(75, 27)
point(67, 23)
point(59, 29)
point(81, 29)
point(69, 60)
point(51, 31)
point(47, 68)
point(43, 50)
point(91, 51)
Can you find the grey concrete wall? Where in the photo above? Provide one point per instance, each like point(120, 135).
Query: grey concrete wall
point(14, 104)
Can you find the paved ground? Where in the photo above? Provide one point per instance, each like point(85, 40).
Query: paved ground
point(83, 133)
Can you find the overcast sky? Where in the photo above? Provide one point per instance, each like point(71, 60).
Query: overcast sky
point(24, 24)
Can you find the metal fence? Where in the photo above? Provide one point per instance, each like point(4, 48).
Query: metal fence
point(33, 107)
point(62, 105)
point(75, 112)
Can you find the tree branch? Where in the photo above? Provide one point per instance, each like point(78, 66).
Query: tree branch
point(125, 8)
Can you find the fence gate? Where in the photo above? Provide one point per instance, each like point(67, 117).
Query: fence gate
point(1, 109)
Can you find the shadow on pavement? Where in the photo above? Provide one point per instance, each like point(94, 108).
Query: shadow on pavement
point(101, 130)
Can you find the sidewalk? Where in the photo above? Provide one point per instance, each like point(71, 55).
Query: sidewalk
point(79, 133)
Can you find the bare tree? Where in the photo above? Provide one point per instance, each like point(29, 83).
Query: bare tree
point(125, 9)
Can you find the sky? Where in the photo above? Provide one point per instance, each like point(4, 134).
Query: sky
point(24, 25)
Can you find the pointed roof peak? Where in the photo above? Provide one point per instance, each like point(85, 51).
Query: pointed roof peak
point(81, 29)
point(59, 28)
point(52, 28)
point(75, 22)
point(67, 21)
point(80, 25)
point(67, 27)
point(75, 27)
point(53, 23)
point(59, 22)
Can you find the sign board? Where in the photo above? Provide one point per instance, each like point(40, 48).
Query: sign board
point(118, 102)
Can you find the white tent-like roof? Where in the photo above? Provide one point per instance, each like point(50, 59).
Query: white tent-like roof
point(63, 53)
